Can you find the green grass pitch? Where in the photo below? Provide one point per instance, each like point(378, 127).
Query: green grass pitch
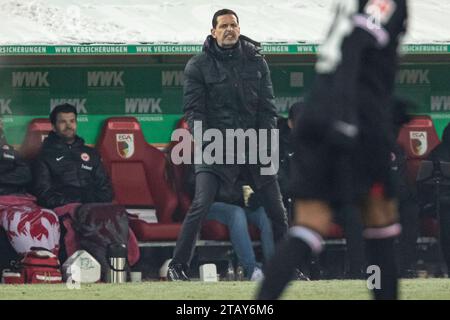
point(416, 289)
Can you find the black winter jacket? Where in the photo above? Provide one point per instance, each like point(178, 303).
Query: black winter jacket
point(66, 173)
point(229, 89)
point(15, 174)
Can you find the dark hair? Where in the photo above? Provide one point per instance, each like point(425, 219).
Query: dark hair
point(295, 110)
point(62, 108)
point(223, 12)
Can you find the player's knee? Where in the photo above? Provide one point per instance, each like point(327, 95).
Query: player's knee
point(379, 212)
point(312, 214)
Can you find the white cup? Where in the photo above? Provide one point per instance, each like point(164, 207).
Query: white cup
point(136, 276)
point(208, 272)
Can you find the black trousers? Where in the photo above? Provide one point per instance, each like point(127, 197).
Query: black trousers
point(353, 229)
point(206, 187)
point(407, 245)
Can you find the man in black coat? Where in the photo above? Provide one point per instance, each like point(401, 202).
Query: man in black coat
point(66, 170)
point(227, 86)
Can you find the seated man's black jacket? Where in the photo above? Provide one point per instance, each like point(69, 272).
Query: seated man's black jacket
point(66, 173)
point(15, 174)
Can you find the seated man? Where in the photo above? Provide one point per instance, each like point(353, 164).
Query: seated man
point(67, 174)
point(231, 210)
point(66, 170)
point(25, 224)
point(236, 218)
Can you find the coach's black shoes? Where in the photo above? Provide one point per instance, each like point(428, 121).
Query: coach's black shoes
point(176, 273)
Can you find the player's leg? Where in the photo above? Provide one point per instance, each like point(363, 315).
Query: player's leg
point(312, 220)
point(313, 190)
point(381, 228)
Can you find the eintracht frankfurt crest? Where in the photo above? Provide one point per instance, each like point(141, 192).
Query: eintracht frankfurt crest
point(418, 142)
point(381, 10)
point(125, 145)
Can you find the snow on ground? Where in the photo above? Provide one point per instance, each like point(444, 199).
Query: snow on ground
point(189, 21)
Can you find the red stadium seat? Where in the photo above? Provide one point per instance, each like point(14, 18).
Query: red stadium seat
point(417, 138)
point(38, 130)
point(137, 172)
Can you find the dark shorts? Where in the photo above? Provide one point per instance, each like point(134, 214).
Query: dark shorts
point(331, 174)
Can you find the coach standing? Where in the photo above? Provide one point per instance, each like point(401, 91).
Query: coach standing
point(227, 86)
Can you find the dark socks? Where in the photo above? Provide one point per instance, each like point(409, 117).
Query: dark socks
point(290, 253)
point(380, 252)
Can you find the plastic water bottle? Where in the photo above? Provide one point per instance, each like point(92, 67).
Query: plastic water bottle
point(230, 271)
point(239, 273)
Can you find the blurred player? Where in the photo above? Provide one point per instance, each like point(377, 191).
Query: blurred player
point(344, 139)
